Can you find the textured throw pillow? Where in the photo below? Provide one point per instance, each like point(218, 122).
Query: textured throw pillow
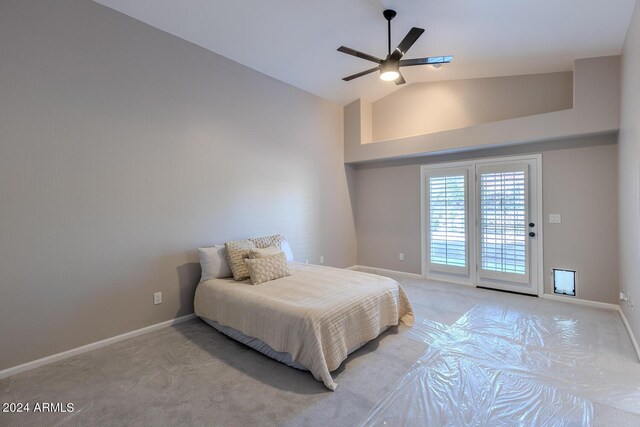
point(214, 263)
point(270, 268)
point(265, 242)
point(237, 252)
point(264, 252)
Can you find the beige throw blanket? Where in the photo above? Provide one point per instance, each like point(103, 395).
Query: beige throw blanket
point(318, 314)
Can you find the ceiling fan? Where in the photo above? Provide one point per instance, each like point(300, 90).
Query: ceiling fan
point(390, 66)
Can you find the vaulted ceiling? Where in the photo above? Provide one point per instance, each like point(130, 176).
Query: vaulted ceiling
point(295, 41)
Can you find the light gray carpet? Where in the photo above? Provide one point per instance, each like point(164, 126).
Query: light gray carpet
point(191, 374)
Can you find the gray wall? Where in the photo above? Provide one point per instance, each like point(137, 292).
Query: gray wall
point(122, 150)
point(438, 106)
point(629, 174)
point(579, 182)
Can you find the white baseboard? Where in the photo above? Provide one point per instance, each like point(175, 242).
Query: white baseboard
point(588, 303)
point(386, 271)
point(93, 346)
point(633, 338)
point(604, 305)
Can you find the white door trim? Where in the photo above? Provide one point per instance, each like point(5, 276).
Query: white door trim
point(471, 278)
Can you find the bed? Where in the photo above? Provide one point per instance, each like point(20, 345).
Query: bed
point(311, 319)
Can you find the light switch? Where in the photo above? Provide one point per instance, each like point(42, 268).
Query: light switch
point(555, 219)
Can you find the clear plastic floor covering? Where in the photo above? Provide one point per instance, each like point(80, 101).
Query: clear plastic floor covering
point(501, 367)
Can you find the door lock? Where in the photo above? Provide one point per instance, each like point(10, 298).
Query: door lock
point(532, 234)
point(531, 225)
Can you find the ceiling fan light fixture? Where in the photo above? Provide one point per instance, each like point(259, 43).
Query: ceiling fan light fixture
point(389, 76)
point(389, 71)
point(390, 66)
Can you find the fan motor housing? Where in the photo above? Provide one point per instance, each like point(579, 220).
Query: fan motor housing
point(389, 14)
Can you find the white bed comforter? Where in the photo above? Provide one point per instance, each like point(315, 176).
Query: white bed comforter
point(318, 314)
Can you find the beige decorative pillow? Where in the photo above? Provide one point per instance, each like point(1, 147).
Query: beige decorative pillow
point(237, 252)
point(270, 268)
point(264, 252)
point(265, 242)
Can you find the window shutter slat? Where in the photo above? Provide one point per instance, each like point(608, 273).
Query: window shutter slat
point(503, 221)
point(447, 220)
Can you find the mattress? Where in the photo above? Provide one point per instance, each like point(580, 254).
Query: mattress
point(263, 348)
point(316, 316)
point(256, 344)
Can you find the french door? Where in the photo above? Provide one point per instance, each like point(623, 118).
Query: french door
point(481, 224)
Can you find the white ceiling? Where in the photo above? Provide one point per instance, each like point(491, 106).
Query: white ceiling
point(295, 41)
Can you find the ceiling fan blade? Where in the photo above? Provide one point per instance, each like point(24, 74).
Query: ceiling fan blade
point(426, 61)
point(359, 54)
point(400, 80)
point(360, 74)
point(406, 43)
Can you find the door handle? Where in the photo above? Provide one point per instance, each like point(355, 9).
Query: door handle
point(532, 234)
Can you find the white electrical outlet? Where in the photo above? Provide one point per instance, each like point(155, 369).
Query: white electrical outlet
point(401, 256)
point(157, 298)
point(624, 296)
point(321, 259)
point(555, 219)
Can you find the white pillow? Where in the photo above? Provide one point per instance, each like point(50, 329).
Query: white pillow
point(286, 248)
point(214, 263)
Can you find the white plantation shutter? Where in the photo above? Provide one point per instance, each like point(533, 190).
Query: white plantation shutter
point(476, 223)
point(447, 220)
point(503, 221)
